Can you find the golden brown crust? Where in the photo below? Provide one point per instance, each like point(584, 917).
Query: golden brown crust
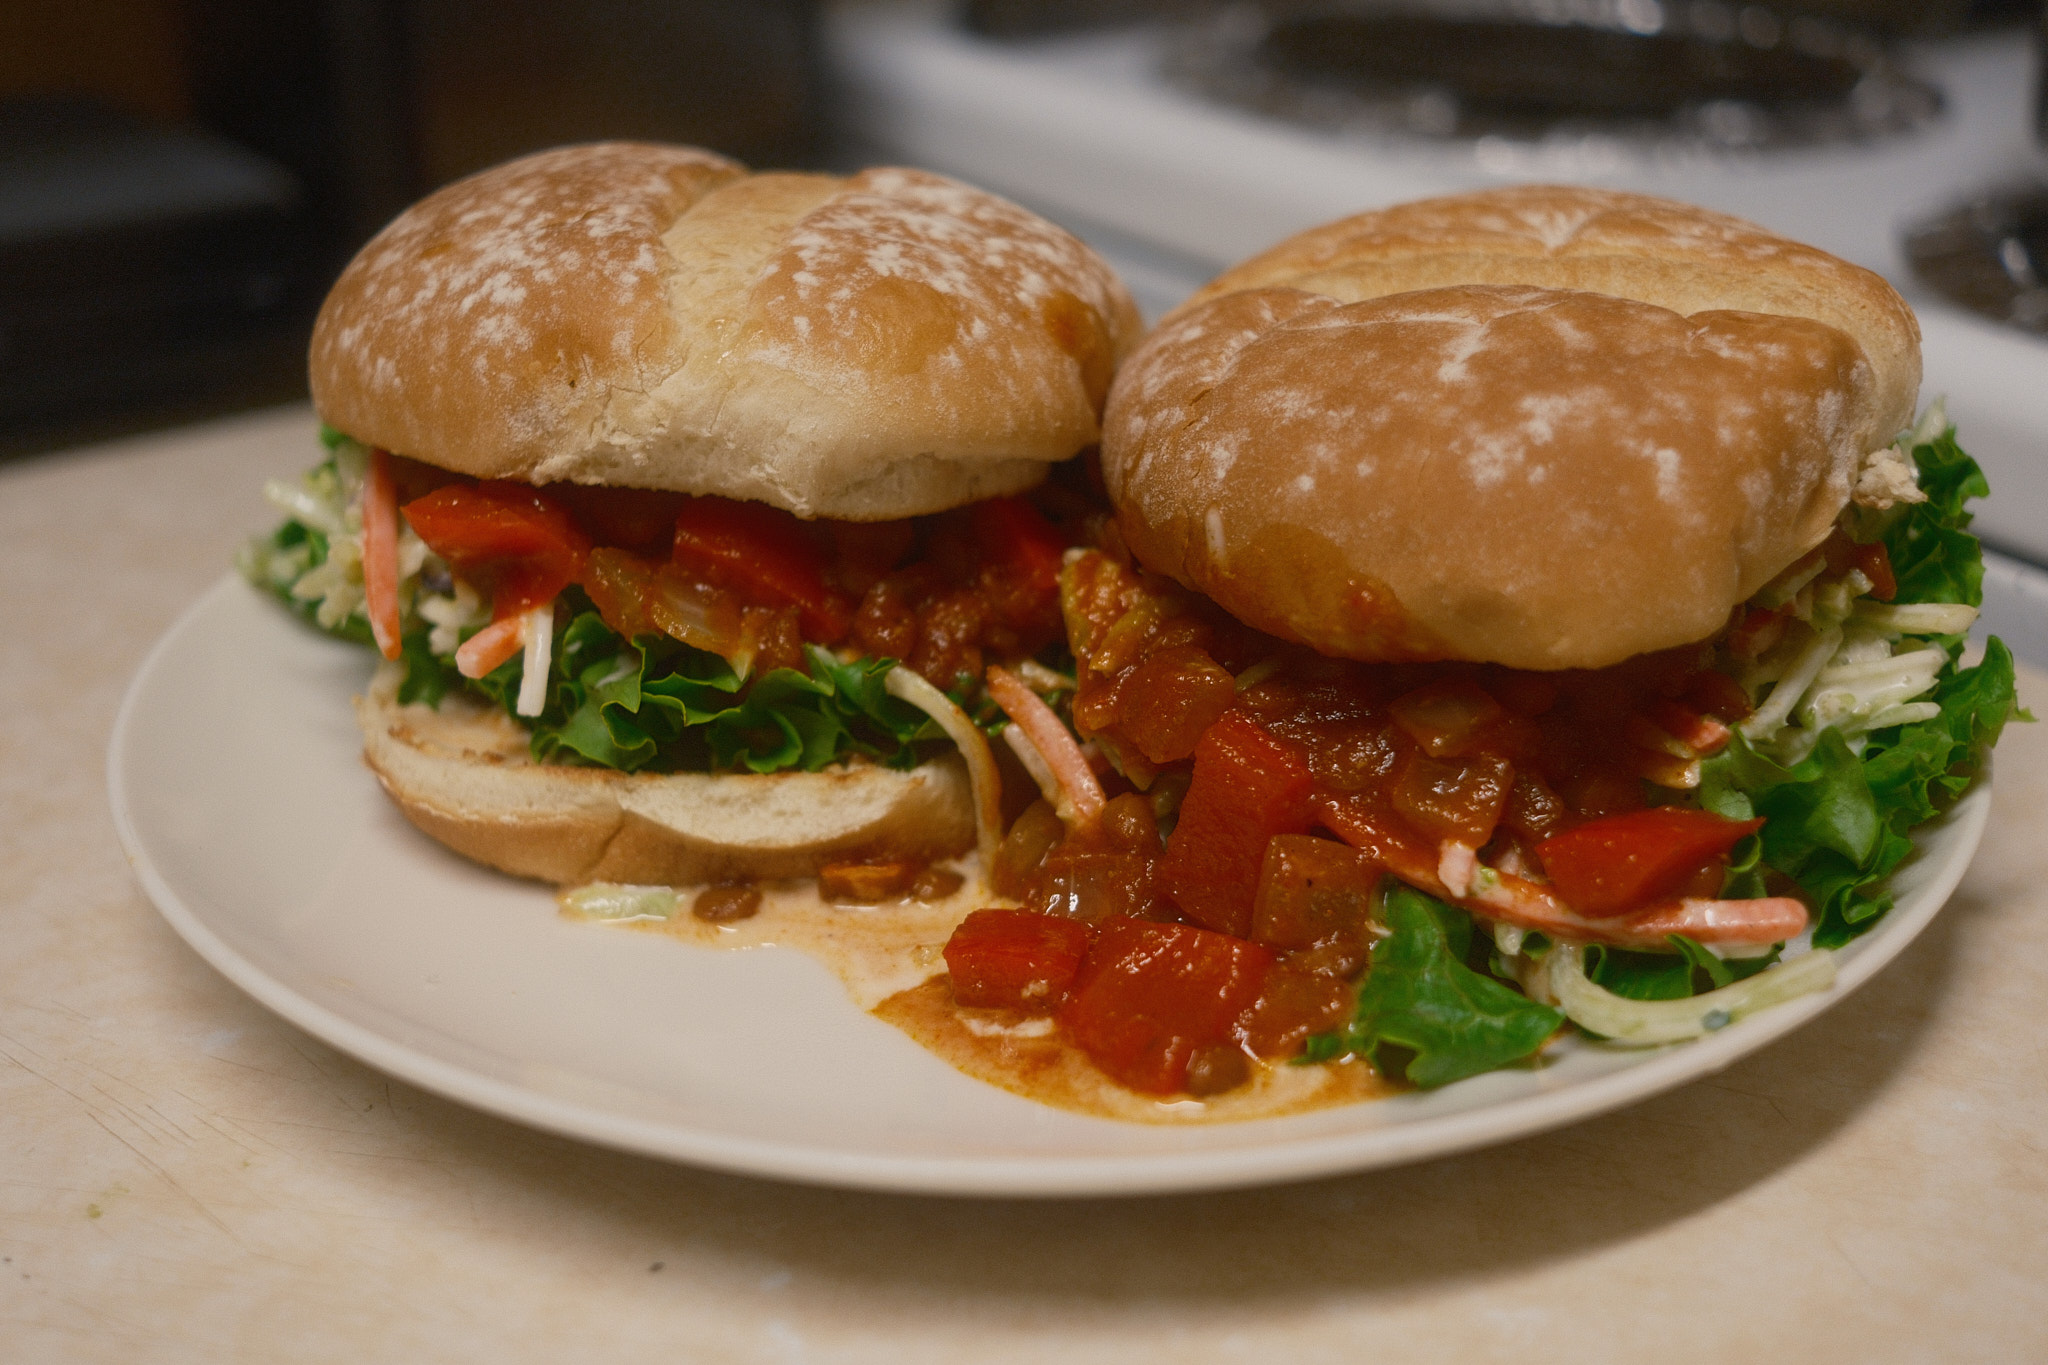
point(1542, 426)
point(881, 345)
point(1631, 246)
point(1540, 478)
point(461, 774)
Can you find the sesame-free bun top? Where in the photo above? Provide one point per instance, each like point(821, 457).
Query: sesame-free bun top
point(861, 347)
point(1544, 427)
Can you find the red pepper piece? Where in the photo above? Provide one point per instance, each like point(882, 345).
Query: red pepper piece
point(1013, 534)
point(509, 539)
point(767, 555)
point(1015, 959)
point(1624, 862)
point(1248, 786)
point(1149, 996)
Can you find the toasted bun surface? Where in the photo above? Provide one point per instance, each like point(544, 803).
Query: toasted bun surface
point(461, 774)
point(1542, 427)
point(868, 347)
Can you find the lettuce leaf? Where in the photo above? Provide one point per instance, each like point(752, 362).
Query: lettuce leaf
point(1687, 970)
point(1423, 1013)
point(1839, 822)
point(656, 704)
point(1934, 557)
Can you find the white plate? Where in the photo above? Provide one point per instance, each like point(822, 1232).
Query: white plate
point(253, 824)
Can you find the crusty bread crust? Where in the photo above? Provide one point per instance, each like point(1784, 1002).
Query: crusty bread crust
point(461, 774)
point(1631, 246)
point(875, 346)
point(1541, 477)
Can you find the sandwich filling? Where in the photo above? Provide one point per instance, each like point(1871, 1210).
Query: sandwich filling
point(1433, 867)
point(657, 632)
point(1245, 853)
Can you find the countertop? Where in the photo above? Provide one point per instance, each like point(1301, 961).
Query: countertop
point(185, 1177)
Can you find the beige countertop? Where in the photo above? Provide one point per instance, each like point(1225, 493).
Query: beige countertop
point(185, 1177)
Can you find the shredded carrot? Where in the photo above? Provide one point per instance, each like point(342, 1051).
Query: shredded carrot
point(1055, 743)
point(491, 646)
point(1766, 919)
point(1496, 894)
point(380, 553)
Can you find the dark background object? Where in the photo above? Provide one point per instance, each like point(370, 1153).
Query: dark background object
point(1990, 255)
point(243, 149)
point(1038, 18)
point(1503, 69)
point(1708, 75)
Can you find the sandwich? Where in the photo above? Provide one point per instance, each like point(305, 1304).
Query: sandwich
point(686, 505)
point(1528, 607)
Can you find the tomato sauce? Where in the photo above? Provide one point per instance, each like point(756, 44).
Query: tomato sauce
point(944, 593)
point(1229, 940)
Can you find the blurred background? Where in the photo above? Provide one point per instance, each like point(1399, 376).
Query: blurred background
point(181, 179)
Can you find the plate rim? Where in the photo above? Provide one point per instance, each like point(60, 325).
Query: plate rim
point(1283, 1160)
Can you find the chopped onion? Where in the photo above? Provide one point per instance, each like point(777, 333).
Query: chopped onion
point(1035, 764)
point(1917, 618)
point(1647, 1023)
point(1771, 716)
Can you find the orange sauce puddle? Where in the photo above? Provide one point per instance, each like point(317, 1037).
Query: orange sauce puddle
point(890, 958)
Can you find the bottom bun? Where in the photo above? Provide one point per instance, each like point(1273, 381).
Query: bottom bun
point(463, 775)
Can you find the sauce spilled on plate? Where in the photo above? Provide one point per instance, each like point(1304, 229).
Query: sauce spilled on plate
point(889, 957)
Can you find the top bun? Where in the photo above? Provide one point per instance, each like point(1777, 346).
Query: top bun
point(1543, 427)
point(865, 347)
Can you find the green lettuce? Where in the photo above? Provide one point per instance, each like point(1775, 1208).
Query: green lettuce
point(1423, 1013)
point(1687, 970)
point(657, 704)
point(1839, 820)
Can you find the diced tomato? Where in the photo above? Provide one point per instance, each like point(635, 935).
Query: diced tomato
point(1533, 810)
point(1248, 786)
point(1094, 884)
point(1294, 1004)
point(1013, 534)
point(1015, 959)
point(511, 539)
point(1149, 996)
point(1312, 891)
point(1373, 832)
point(1459, 799)
point(767, 555)
point(1624, 862)
point(1168, 702)
point(1446, 717)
